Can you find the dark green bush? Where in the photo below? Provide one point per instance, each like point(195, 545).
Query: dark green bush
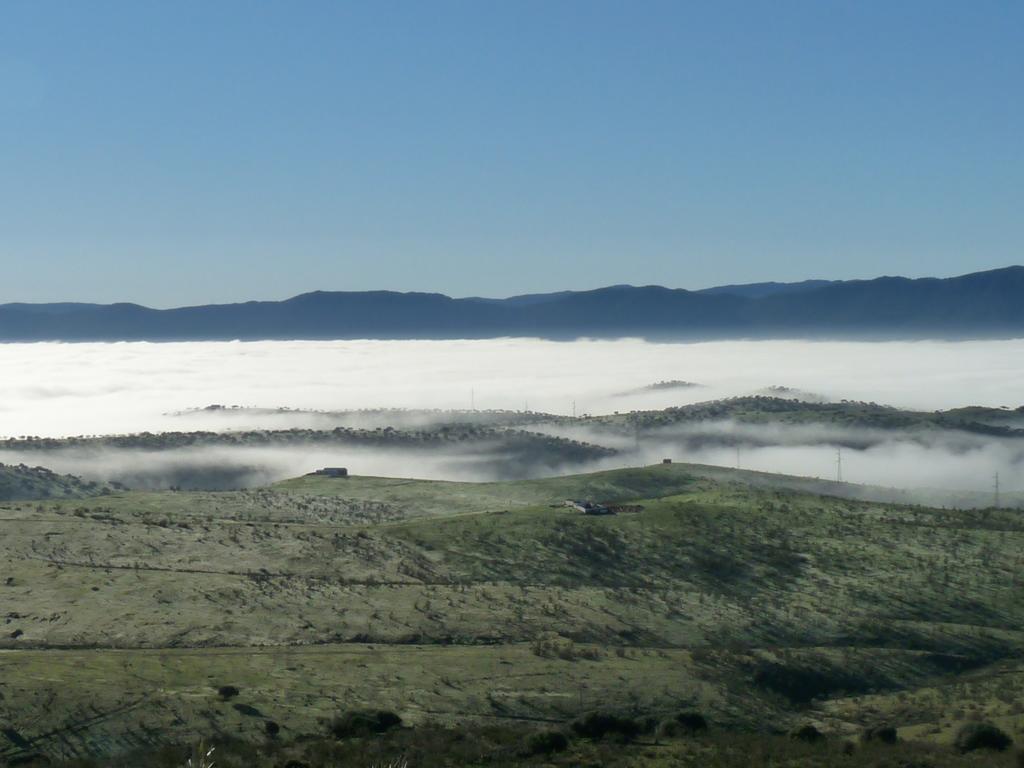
point(802, 685)
point(683, 724)
point(547, 743)
point(227, 692)
point(885, 734)
point(597, 725)
point(669, 729)
point(363, 722)
point(693, 722)
point(974, 736)
point(807, 733)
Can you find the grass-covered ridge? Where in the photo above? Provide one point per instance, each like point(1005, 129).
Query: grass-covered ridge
point(765, 409)
point(760, 605)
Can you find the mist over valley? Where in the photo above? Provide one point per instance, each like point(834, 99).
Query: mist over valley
point(512, 409)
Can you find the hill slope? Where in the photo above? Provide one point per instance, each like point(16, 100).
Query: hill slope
point(24, 483)
point(456, 602)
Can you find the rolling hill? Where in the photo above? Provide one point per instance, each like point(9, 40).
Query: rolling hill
point(494, 604)
point(24, 483)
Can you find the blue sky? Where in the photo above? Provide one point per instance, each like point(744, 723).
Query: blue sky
point(193, 151)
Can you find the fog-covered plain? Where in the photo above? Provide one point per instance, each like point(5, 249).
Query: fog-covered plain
point(59, 390)
point(69, 389)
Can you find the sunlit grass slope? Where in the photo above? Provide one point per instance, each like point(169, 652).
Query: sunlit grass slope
point(727, 591)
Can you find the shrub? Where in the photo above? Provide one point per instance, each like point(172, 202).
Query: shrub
point(693, 722)
point(363, 722)
point(669, 729)
point(974, 736)
point(227, 692)
point(547, 743)
point(683, 724)
point(649, 724)
point(807, 733)
point(271, 728)
point(597, 725)
point(802, 686)
point(886, 734)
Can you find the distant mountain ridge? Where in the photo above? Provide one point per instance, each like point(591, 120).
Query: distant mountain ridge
point(979, 305)
point(759, 290)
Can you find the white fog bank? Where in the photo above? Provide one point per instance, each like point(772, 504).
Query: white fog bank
point(54, 390)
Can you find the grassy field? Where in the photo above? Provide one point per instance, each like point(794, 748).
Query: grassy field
point(742, 596)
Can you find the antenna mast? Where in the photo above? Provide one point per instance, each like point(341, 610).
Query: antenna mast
point(996, 487)
point(839, 465)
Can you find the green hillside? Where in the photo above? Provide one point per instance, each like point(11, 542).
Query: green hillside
point(21, 482)
point(458, 603)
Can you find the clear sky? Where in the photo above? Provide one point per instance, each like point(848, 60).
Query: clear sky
point(192, 151)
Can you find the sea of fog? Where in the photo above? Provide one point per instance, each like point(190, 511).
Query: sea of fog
point(54, 390)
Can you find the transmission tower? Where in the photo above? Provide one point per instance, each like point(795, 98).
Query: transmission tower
point(995, 487)
point(839, 465)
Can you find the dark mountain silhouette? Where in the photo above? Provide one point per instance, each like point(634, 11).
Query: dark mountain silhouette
point(759, 290)
point(980, 305)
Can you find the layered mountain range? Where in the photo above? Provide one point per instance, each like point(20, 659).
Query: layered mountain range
point(979, 305)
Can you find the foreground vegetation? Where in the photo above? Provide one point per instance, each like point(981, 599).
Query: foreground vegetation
point(648, 744)
point(134, 620)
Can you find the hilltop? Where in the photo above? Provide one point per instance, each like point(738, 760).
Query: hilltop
point(978, 305)
point(763, 409)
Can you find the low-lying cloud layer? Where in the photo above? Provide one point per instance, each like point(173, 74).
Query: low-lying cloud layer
point(75, 389)
point(69, 389)
point(939, 462)
point(228, 468)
